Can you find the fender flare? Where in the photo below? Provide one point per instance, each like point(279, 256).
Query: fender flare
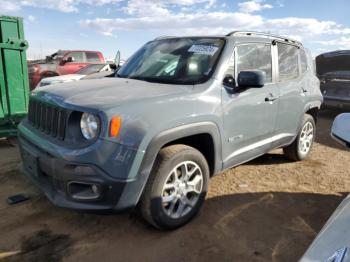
point(307, 107)
point(172, 134)
point(133, 190)
point(311, 105)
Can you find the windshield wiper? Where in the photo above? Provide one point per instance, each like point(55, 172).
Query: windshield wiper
point(154, 79)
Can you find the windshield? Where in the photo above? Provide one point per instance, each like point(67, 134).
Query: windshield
point(90, 69)
point(174, 61)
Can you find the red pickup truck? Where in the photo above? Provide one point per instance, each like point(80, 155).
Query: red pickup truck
point(62, 62)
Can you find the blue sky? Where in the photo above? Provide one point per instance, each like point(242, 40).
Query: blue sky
point(111, 25)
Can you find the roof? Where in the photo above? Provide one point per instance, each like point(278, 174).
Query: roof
point(65, 51)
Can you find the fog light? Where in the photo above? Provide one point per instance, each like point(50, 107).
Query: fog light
point(84, 191)
point(95, 189)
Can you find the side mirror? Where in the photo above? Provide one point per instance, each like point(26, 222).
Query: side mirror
point(69, 59)
point(247, 79)
point(341, 129)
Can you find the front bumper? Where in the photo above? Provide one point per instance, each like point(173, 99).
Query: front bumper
point(69, 182)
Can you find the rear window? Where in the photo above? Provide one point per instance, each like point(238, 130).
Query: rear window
point(288, 62)
point(92, 57)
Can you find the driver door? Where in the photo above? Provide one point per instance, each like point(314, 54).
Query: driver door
point(250, 114)
point(79, 61)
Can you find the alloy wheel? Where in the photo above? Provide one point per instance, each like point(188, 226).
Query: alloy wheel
point(182, 189)
point(306, 138)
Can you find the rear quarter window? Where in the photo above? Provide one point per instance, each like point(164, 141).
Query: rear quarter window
point(92, 57)
point(303, 61)
point(287, 62)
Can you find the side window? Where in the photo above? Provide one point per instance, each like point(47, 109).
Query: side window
point(303, 61)
point(288, 62)
point(78, 57)
point(255, 57)
point(92, 57)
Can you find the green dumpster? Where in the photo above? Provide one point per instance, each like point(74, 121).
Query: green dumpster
point(14, 84)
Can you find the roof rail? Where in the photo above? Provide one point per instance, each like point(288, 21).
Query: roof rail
point(249, 33)
point(163, 37)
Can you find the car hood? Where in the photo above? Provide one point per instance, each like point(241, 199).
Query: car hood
point(106, 93)
point(335, 236)
point(70, 77)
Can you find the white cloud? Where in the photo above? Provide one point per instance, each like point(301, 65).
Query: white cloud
point(138, 7)
point(342, 42)
point(178, 24)
point(253, 6)
point(66, 6)
point(9, 6)
point(31, 18)
point(308, 26)
point(218, 23)
point(151, 8)
point(186, 17)
point(146, 8)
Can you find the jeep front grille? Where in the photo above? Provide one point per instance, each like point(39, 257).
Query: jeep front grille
point(47, 118)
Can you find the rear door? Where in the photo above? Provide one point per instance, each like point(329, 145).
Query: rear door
point(79, 61)
point(249, 118)
point(292, 93)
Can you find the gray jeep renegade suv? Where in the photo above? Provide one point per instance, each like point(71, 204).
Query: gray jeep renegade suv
point(179, 111)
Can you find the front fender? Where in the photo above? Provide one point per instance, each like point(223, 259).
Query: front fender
point(133, 191)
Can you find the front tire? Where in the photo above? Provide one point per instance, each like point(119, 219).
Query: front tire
point(176, 188)
point(302, 145)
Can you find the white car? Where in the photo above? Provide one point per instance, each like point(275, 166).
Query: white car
point(87, 70)
point(332, 244)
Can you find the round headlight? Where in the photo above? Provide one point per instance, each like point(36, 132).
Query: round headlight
point(89, 125)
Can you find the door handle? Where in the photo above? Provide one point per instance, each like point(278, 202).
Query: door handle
point(271, 98)
point(303, 92)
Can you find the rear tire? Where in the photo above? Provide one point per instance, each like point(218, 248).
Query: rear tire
point(176, 188)
point(302, 145)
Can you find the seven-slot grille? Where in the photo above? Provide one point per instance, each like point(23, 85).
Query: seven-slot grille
point(48, 118)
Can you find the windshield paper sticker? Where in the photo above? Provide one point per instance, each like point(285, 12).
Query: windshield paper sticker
point(203, 49)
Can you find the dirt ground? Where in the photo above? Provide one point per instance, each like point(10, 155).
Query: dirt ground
point(269, 209)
